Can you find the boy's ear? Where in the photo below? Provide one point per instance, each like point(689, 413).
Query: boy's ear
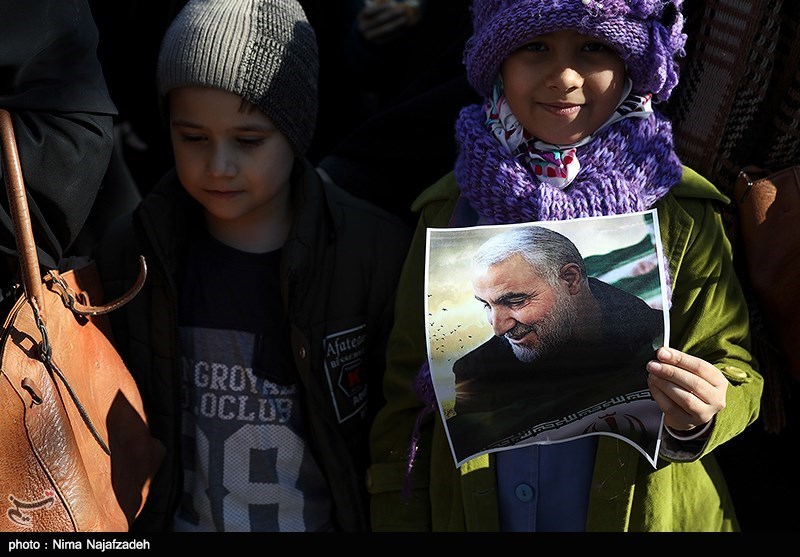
point(571, 274)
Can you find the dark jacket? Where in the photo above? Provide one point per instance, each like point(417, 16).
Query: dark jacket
point(52, 84)
point(339, 271)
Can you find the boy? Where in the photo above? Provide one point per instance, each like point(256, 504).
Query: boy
point(259, 341)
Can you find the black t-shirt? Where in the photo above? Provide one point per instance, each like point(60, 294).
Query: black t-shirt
point(246, 463)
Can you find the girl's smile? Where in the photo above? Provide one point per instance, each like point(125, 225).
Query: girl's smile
point(563, 86)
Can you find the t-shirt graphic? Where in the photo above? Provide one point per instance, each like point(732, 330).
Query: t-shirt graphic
point(246, 463)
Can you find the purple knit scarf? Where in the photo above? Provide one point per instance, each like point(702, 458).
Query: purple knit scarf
point(627, 168)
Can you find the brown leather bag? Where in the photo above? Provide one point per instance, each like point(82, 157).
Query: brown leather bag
point(77, 454)
point(768, 206)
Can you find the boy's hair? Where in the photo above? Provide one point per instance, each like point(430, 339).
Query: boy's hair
point(647, 35)
point(265, 51)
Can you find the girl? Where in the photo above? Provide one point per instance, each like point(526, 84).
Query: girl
point(568, 130)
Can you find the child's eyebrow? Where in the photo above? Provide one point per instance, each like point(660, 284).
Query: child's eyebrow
point(185, 123)
point(261, 128)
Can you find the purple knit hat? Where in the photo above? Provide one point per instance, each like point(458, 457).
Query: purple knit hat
point(647, 35)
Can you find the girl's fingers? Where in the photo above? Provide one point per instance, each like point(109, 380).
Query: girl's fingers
point(689, 390)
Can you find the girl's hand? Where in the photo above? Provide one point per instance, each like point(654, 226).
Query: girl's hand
point(689, 390)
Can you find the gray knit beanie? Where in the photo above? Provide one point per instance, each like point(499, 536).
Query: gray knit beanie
point(263, 50)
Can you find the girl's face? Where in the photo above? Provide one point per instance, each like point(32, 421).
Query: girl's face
point(563, 86)
point(234, 162)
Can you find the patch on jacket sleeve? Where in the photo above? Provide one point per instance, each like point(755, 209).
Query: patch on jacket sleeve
point(344, 369)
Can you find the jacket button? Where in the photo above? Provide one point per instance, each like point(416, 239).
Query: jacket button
point(302, 352)
point(524, 492)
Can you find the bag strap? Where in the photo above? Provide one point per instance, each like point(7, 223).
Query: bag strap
point(26, 245)
point(18, 207)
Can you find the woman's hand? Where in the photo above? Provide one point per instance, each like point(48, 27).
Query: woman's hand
point(690, 391)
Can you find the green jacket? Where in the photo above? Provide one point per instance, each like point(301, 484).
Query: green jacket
point(687, 491)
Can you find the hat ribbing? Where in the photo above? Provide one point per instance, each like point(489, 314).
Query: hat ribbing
point(262, 50)
point(647, 35)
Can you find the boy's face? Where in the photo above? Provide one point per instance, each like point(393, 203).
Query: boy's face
point(563, 86)
point(234, 162)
